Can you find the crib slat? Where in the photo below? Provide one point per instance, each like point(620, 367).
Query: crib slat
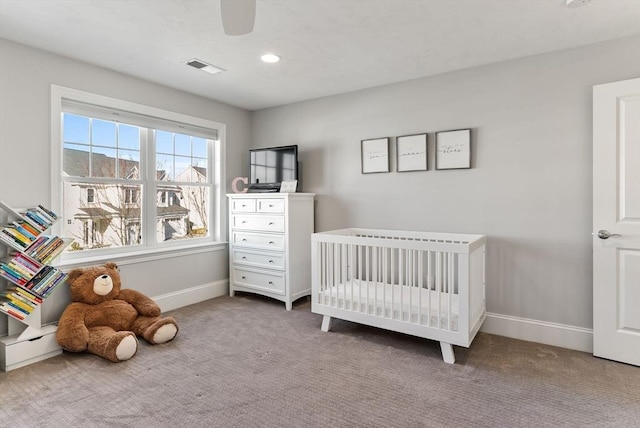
point(420, 283)
point(354, 273)
point(430, 275)
point(410, 282)
point(375, 280)
point(402, 271)
point(345, 268)
point(439, 286)
point(393, 278)
point(360, 275)
point(368, 273)
point(384, 281)
point(450, 287)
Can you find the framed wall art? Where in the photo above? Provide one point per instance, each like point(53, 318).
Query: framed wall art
point(453, 149)
point(411, 152)
point(375, 155)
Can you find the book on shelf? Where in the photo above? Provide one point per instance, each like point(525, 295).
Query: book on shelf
point(26, 264)
point(7, 309)
point(23, 305)
point(12, 276)
point(50, 213)
point(12, 241)
point(19, 226)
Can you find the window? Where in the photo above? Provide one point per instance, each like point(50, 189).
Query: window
point(131, 181)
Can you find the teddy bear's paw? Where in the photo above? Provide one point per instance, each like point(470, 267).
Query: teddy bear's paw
point(127, 348)
point(165, 333)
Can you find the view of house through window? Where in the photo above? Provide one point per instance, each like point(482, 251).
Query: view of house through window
point(111, 189)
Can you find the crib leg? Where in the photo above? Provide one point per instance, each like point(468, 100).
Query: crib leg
point(447, 353)
point(326, 323)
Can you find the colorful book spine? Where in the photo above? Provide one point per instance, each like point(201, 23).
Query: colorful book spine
point(9, 310)
point(50, 213)
point(6, 273)
point(41, 223)
point(27, 294)
point(18, 303)
point(26, 232)
point(29, 227)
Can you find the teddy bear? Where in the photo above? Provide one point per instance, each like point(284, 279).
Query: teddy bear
point(105, 319)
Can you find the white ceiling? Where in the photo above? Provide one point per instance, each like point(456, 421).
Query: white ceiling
point(327, 46)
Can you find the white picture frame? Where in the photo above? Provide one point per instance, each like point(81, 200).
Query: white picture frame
point(453, 149)
point(375, 155)
point(411, 153)
point(289, 186)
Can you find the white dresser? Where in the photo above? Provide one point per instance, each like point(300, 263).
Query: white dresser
point(270, 244)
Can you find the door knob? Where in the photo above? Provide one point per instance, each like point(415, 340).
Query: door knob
point(605, 234)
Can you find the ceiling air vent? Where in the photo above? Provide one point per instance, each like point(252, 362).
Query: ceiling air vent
point(201, 65)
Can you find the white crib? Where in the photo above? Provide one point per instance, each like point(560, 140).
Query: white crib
point(428, 285)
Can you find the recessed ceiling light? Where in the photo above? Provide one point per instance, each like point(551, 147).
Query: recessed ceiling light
point(270, 58)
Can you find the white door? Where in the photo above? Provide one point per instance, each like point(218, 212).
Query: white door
point(616, 221)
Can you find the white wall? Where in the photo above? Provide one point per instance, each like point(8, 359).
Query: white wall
point(529, 189)
point(26, 76)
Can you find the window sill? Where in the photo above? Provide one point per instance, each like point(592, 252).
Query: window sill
point(146, 255)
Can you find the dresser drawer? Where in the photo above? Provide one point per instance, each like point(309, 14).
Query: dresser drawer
point(270, 205)
point(274, 261)
point(267, 223)
point(243, 205)
point(259, 240)
point(273, 282)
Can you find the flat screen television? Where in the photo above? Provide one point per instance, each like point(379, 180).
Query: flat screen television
point(270, 166)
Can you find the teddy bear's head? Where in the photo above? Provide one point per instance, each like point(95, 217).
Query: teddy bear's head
point(94, 285)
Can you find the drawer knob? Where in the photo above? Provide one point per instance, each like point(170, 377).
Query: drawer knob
point(244, 277)
point(244, 239)
point(270, 223)
point(271, 242)
point(270, 261)
point(244, 257)
point(244, 221)
point(270, 282)
point(270, 205)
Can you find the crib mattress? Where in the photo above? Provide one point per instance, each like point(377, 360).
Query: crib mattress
point(411, 304)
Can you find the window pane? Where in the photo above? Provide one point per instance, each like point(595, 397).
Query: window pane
point(75, 160)
point(199, 146)
point(199, 170)
point(183, 145)
point(75, 129)
point(164, 142)
point(103, 133)
point(103, 162)
point(183, 168)
point(129, 164)
point(128, 137)
point(112, 220)
point(164, 167)
point(183, 214)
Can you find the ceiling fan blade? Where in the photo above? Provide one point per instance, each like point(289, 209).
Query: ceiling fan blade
point(238, 16)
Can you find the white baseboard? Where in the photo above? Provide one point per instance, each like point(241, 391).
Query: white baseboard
point(564, 336)
point(189, 296)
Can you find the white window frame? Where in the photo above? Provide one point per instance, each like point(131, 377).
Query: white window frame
point(183, 123)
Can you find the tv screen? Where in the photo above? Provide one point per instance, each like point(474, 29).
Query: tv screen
point(271, 166)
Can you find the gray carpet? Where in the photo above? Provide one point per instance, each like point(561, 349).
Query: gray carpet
point(246, 362)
